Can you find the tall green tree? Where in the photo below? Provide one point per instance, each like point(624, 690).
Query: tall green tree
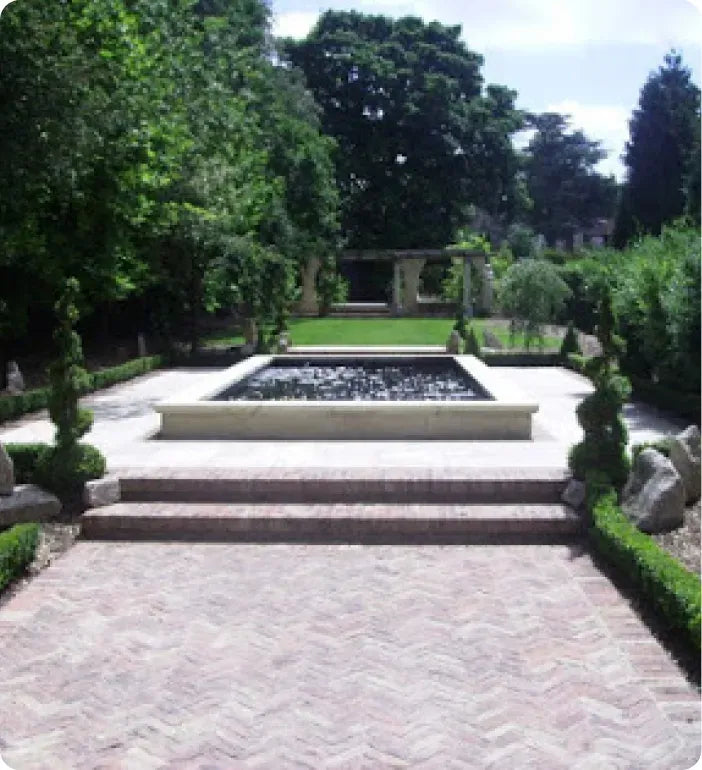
point(662, 154)
point(566, 191)
point(417, 142)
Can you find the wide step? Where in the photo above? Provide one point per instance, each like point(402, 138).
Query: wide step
point(323, 522)
point(266, 485)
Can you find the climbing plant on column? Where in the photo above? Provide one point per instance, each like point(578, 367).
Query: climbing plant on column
point(67, 465)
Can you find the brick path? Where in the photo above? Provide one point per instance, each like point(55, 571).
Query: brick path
point(172, 655)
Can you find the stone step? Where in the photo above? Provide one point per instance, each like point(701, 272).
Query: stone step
point(339, 485)
point(339, 523)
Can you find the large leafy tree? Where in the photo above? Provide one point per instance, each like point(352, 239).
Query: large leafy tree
point(416, 140)
point(566, 191)
point(662, 155)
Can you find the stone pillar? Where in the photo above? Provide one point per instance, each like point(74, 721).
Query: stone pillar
point(396, 288)
point(487, 294)
point(309, 304)
point(411, 269)
point(467, 304)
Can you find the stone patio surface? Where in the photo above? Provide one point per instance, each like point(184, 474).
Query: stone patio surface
point(245, 656)
point(125, 425)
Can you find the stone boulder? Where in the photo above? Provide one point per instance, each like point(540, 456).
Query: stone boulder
point(685, 456)
point(654, 495)
point(453, 344)
point(7, 472)
point(15, 380)
point(28, 503)
point(492, 340)
point(574, 494)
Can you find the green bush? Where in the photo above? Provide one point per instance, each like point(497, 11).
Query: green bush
point(38, 398)
point(25, 458)
point(17, 547)
point(531, 295)
point(672, 589)
point(64, 470)
point(472, 346)
point(570, 342)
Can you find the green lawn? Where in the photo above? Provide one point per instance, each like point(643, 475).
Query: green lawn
point(378, 331)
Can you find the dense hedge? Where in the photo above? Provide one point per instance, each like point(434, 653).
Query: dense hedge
point(25, 458)
point(33, 400)
point(672, 589)
point(17, 547)
point(520, 358)
point(669, 399)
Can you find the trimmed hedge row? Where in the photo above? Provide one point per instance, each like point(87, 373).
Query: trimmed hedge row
point(672, 589)
point(33, 400)
point(520, 358)
point(25, 458)
point(17, 547)
point(676, 401)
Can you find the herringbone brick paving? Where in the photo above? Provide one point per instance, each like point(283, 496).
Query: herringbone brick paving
point(172, 655)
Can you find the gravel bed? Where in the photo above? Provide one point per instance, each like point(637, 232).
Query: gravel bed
point(684, 542)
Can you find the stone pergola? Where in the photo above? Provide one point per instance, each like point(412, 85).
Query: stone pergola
point(407, 268)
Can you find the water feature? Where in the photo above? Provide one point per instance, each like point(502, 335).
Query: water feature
point(428, 378)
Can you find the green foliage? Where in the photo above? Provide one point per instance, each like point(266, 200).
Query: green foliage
point(570, 342)
point(17, 547)
point(531, 294)
point(24, 459)
point(673, 590)
point(64, 470)
point(520, 240)
point(67, 377)
point(662, 155)
point(472, 346)
point(603, 448)
point(23, 403)
point(566, 192)
point(384, 86)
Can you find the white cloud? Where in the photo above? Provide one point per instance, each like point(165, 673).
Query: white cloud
point(294, 24)
point(608, 124)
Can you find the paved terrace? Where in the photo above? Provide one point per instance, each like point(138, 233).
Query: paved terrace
point(178, 655)
point(126, 425)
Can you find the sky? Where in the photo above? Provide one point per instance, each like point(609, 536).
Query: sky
point(584, 58)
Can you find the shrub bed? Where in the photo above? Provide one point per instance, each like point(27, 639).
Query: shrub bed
point(520, 358)
point(673, 590)
point(17, 547)
point(33, 400)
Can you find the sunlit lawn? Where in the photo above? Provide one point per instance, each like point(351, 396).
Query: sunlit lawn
point(380, 331)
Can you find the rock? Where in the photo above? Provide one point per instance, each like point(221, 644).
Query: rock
point(283, 342)
point(100, 492)
point(141, 345)
point(7, 472)
point(492, 340)
point(685, 456)
point(654, 495)
point(28, 503)
point(453, 344)
point(15, 380)
point(574, 494)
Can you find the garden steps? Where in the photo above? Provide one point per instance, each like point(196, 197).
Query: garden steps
point(355, 522)
point(344, 485)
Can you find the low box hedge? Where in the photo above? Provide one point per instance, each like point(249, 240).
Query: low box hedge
point(684, 404)
point(673, 590)
point(38, 398)
point(17, 547)
point(521, 358)
point(25, 458)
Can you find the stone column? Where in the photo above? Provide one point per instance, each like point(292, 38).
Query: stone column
point(487, 294)
point(467, 304)
point(309, 304)
point(411, 269)
point(396, 288)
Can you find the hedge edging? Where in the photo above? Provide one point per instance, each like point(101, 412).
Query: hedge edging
point(672, 589)
point(17, 547)
point(38, 398)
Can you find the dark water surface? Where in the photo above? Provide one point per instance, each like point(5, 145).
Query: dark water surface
point(426, 378)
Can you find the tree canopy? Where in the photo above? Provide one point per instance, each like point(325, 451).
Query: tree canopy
point(566, 191)
point(417, 140)
point(663, 153)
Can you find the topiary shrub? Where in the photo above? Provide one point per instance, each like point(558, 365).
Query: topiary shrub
point(65, 467)
point(472, 346)
point(570, 344)
point(603, 448)
point(25, 458)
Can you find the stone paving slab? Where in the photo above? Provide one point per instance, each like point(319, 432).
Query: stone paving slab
point(152, 655)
